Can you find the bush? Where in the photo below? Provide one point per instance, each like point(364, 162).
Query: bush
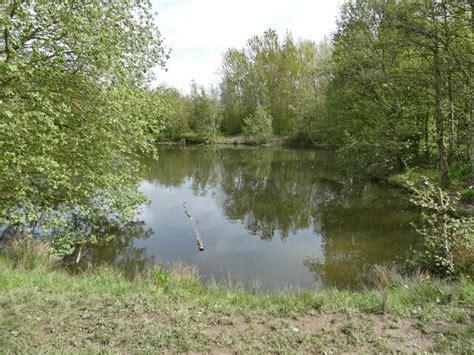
point(460, 172)
point(259, 126)
point(467, 196)
point(447, 239)
point(300, 139)
point(195, 138)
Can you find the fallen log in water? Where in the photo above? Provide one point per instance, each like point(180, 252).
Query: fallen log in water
point(199, 242)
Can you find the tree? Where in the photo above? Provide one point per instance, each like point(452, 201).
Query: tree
point(75, 113)
point(286, 78)
point(176, 112)
point(401, 82)
point(204, 111)
point(259, 126)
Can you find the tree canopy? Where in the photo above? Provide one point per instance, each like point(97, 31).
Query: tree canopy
point(75, 111)
point(402, 86)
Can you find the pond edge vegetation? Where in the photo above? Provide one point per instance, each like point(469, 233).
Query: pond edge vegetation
point(438, 311)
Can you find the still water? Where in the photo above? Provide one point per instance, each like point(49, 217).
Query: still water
point(280, 217)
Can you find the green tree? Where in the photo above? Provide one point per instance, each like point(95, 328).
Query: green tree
point(204, 111)
point(285, 77)
point(259, 126)
point(400, 83)
point(75, 113)
point(176, 112)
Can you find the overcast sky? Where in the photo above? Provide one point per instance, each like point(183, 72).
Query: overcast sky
point(199, 31)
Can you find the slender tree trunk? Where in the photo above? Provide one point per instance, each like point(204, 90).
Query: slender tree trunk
point(450, 122)
point(427, 135)
point(439, 119)
point(471, 129)
point(6, 40)
point(451, 134)
point(471, 79)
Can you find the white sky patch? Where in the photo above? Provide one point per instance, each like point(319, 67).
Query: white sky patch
point(200, 31)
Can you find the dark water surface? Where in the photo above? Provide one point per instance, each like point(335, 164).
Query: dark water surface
point(287, 218)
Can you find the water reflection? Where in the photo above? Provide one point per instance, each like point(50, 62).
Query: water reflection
point(272, 191)
point(361, 227)
point(121, 251)
point(282, 216)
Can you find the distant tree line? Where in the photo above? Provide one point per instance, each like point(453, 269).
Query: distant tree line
point(393, 88)
point(196, 116)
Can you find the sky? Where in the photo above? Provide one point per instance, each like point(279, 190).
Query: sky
point(198, 32)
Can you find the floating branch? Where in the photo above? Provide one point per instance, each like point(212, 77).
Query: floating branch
point(199, 242)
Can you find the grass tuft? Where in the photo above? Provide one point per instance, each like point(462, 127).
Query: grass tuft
point(28, 253)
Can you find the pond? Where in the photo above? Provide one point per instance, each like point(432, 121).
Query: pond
point(280, 218)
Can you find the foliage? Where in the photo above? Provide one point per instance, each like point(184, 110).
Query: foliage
point(285, 77)
point(467, 195)
point(460, 172)
point(175, 112)
point(259, 126)
point(401, 90)
point(204, 111)
point(195, 117)
point(75, 113)
point(448, 240)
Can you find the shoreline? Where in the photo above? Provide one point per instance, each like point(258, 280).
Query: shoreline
point(236, 140)
point(48, 310)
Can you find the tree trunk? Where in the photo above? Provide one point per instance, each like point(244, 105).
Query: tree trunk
point(451, 134)
point(471, 118)
point(450, 122)
point(471, 129)
point(439, 119)
point(427, 135)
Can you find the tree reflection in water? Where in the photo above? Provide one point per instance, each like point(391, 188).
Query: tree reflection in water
point(120, 250)
point(277, 192)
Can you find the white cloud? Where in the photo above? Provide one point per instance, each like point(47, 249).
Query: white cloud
point(199, 31)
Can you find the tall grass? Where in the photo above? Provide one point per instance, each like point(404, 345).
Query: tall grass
point(389, 292)
point(28, 253)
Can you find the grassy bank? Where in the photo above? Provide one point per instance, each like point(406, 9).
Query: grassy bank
point(43, 309)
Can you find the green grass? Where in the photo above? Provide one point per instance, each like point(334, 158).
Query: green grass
point(49, 310)
point(467, 196)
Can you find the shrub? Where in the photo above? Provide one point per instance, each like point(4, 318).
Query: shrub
point(195, 138)
point(447, 239)
point(460, 172)
point(300, 139)
point(259, 126)
point(467, 196)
